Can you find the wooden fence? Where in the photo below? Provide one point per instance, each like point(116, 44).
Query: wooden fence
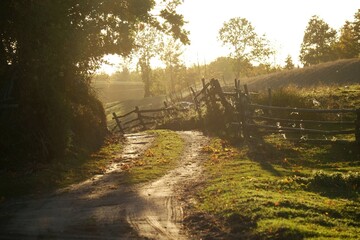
point(253, 119)
point(144, 119)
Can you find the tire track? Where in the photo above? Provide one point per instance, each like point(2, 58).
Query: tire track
point(102, 208)
point(160, 214)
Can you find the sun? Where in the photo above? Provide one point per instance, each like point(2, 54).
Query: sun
point(110, 64)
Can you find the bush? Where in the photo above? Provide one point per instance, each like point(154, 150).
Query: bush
point(50, 123)
point(336, 181)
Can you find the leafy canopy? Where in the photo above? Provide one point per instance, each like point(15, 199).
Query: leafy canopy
point(318, 42)
point(49, 49)
point(245, 44)
point(348, 45)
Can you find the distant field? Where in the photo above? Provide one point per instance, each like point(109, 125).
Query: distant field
point(118, 91)
point(339, 73)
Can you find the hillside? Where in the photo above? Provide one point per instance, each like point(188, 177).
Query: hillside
point(118, 90)
point(339, 72)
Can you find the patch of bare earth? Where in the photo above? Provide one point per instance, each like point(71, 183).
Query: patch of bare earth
point(103, 208)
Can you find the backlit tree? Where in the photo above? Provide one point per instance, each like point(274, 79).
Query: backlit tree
point(48, 50)
point(318, 42)
point(245, 45)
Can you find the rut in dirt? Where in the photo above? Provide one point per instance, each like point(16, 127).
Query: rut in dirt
point(160, 215)
point(103, 208)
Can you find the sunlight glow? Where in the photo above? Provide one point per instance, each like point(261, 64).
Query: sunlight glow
point(111, 64)
point(282, 21)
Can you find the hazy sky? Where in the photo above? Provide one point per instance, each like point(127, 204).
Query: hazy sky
point(283, 22)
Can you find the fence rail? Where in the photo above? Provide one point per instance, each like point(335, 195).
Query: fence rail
point(127, 122)
point(239, 105)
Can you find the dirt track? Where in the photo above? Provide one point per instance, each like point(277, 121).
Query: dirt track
point(101, 208)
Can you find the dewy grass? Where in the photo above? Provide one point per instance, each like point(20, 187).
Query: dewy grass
point(161, 157)
point(261, 186)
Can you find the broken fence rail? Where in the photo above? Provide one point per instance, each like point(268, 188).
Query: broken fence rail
point(141, 120)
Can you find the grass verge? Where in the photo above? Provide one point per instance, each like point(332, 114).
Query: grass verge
point(162, 156)
point(274, 190)
point(37, 178)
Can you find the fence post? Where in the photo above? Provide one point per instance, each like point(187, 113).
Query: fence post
point(197, 104)
point(212, 93)
point(269, 99)
point(203, 82)
point(137, 111)
point(118, 123)
point(246, 90)
point(357, 126)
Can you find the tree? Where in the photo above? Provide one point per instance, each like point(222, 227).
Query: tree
point(50, 49)
point(171, 53)
point(222, 68)
point(245, 44)
point(318, 43)
point(289, 63)
point(348, 45)
point(148, 42)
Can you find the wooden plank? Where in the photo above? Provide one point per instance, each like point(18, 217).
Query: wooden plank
point(230, 94)
point(125, 115)
point(152, 110)
point(118, 123)
point(302, 130)
point(257, 106)
point(131, 121)
point(157, 110)
point(203, 90)
point(302, 121)
point(326, 141)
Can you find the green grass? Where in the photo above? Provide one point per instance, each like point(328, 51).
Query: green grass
point(39, 178)
point(161, 157)
point(321, 97)
point(266, 191)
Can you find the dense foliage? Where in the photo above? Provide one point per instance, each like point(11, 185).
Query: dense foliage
point(48, 51)
point(321, 43)
point(319, 39)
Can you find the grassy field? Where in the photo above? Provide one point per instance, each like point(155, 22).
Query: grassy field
point(118, 91)
point(338, 73)
point(272, 188)
point(282, 190)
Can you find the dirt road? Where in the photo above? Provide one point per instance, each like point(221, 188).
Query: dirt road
point(102, 208)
